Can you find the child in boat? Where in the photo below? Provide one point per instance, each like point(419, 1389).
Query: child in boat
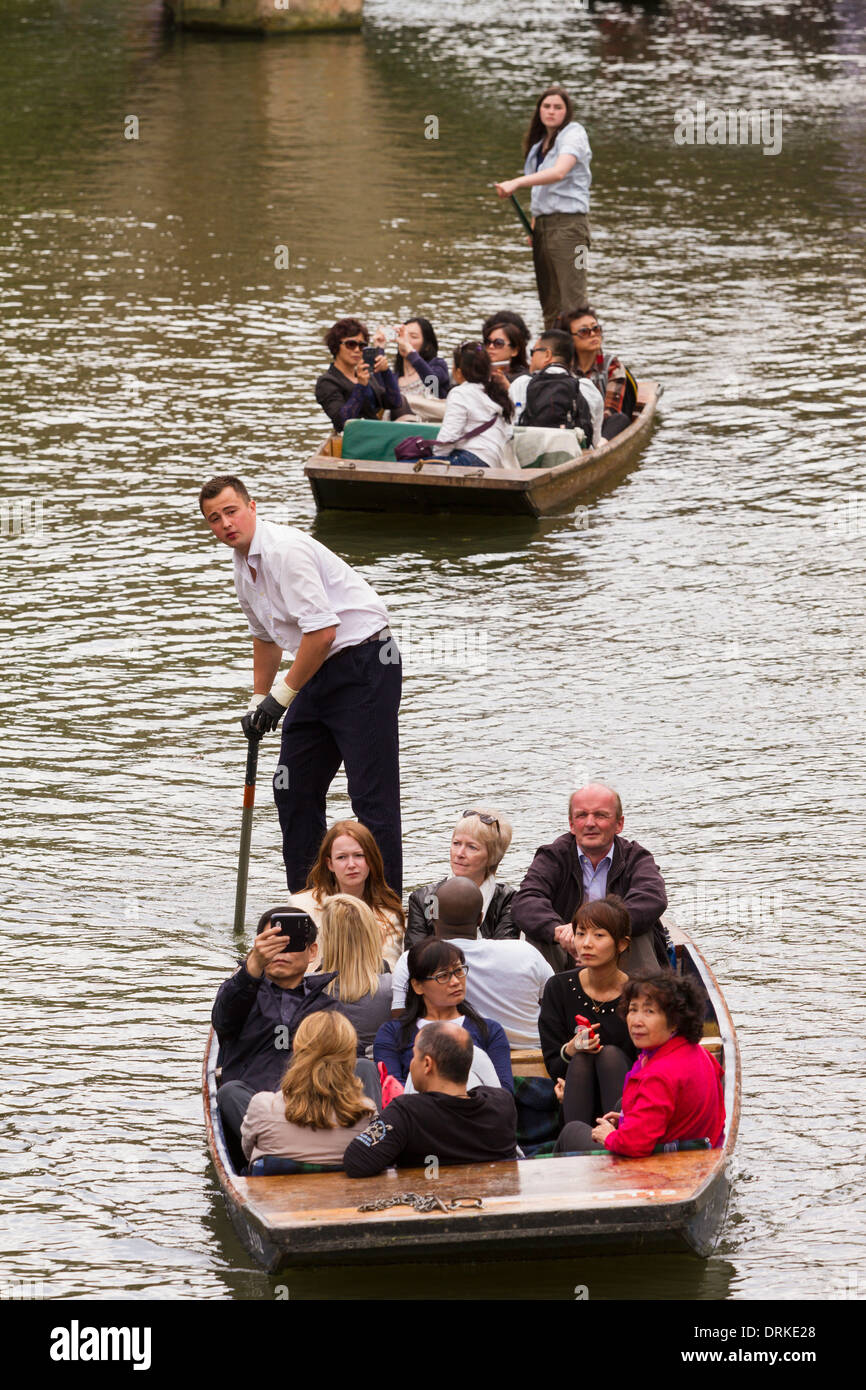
point(475, 429)
point(589, 1061)
point(320, 1106)
point(674, 1091)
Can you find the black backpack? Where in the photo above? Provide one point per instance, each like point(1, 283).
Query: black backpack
point(556, 401)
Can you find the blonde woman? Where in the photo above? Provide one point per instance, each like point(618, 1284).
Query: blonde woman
point(320, 1106)
point(351, 946)
point(349, 861)
point(478, 844)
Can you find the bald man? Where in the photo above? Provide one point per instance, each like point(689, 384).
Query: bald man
point(506, 979)
point(589, 861)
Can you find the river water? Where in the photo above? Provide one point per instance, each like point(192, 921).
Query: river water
point(693, 634)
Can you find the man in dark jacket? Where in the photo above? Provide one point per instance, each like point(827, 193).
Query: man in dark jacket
point(591, 860)
point(256, 1015)
point(443, 1121)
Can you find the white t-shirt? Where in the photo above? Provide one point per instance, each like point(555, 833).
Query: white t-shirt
point(505, 982)
point(481, 1073)
point(466, 407)
point(301, 586)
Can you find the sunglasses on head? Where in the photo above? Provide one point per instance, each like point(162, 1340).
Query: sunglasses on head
point(485, 820)
point(354, 343)
point(588, 331)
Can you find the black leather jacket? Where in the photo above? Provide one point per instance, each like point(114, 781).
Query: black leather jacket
point(496, 925)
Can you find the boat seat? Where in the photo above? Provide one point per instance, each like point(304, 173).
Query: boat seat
point(272, 1166)
point(375, 439)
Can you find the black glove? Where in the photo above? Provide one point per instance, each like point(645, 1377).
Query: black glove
point(266, 716)
point(247, 725)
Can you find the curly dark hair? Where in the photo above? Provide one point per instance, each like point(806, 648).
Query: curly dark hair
point(344, 328)
point(678, 997)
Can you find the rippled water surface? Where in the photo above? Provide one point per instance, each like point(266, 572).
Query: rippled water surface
point(695, 634)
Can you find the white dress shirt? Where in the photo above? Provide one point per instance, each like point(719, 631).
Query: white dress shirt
point(505, 982)
point(301, 586)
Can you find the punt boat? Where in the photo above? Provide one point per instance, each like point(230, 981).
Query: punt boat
point(363, 478)
point(589, 1204)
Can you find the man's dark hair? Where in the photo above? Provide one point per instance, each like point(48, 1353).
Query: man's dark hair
point(344, 328)
point(560, 344)
point(678, 997)
point(219, 484)
point(451, 1051)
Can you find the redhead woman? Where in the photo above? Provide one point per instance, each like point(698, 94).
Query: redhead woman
point(437, 992)
point(320, 1106)
point(349, 861)
point(674, 1091)
point(557, 170)
point(589, 1062)
point(478, 844)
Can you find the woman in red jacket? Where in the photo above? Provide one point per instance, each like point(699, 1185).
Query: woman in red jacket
point(674, 1091)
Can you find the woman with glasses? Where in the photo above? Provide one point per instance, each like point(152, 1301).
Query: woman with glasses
point(437, 989)
point(557, 170)
point(478, 845)
point(475, 430)
point(603, 369)
point(351, 388)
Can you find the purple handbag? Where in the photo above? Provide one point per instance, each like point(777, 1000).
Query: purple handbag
point(413, 447)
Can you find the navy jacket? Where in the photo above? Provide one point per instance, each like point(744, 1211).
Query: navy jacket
point(256, 1021)
point(390, 1048)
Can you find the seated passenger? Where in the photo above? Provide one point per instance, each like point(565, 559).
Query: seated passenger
point(351, 949)
point(586, 863)
point(478, 846)
point(442, 1119)
point(675, 1089)
point(506, 978)
point(603, 369)
point(349, 861)
point(418, 367)
point(349, 390)
point(506, 348)
point(477, 414)
point(437, 973)
point(257, 1013)
point(589, 1064)
point(320, 1106)
point(553, 397)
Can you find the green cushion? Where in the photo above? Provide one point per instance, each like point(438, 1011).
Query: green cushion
point(375, 439)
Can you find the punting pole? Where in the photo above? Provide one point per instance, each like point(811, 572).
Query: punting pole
point(521, 214)
point(253, 740)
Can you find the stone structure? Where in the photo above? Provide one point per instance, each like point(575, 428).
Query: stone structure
point(267, 16)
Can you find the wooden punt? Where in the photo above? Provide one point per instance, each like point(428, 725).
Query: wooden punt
point(592, 1204)
point(365, 485)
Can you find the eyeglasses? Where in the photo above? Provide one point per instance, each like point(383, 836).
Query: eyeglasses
point(539, 347)
point(485, 820)
point(496, 342)
point(353, 343)
point(443, 977)
point(588, 331)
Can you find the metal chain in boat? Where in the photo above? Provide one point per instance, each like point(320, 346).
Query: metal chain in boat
point(421, 1204)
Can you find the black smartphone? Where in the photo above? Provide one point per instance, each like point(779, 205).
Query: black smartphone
point(297, 927)
point(371, 355)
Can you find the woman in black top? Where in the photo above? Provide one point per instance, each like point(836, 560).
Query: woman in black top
point(589, 1064)
point(478, 845)
point(349, 390)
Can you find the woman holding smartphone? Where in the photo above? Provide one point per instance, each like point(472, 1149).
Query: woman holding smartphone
point(557, 170)
point(359, 384)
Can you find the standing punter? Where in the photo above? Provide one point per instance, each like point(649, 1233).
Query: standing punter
point(341, 693)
